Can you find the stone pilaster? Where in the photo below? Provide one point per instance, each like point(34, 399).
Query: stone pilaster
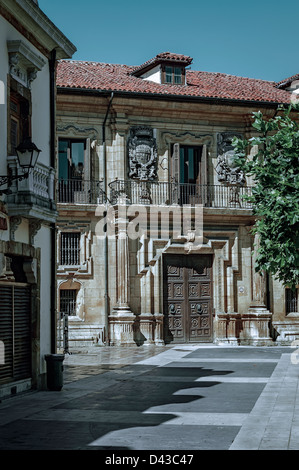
point(256, 322)
point(122, 319)
point(258, 283)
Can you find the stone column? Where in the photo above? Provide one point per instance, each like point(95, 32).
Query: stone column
point(121, 318)
point(258, 282)
point(158, 300)
point(256, 322)
point(146, 318)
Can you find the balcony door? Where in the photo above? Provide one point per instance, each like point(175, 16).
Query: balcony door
point(189, 173)
point(187, 285)
point(71, 168)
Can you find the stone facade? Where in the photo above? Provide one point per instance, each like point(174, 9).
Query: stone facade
point(120, 282)
point(27, 205)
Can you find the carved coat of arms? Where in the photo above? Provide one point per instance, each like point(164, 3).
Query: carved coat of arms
point(142, 152)
point(227, 169)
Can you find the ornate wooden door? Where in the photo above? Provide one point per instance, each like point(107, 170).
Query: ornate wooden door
point(187, 284)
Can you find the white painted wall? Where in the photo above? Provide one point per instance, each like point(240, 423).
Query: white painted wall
point(43, 241)
point(4, 34)
point(40, 92)
point(153, 75)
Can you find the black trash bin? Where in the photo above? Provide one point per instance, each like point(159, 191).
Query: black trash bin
point(54, 371)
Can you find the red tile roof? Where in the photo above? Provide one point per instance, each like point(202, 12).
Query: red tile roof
point(119, 78)
point(163, 57)
point(287, 81)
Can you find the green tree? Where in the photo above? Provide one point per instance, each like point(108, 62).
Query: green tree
point(275, 194)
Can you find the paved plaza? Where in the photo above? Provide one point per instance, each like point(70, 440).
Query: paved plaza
point(174, 398)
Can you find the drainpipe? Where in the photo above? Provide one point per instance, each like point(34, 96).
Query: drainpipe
point(52, 66)
point(106, 265)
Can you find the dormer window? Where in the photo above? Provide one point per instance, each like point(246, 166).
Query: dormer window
point(166, 68)
point(173, 75)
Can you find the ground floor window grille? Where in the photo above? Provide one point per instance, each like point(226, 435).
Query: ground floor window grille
point(68, 301)
point(70, 248)
point(291, 300)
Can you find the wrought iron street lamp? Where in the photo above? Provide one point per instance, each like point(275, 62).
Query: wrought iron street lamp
point(27, 153)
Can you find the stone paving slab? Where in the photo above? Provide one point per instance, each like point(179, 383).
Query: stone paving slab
point(195, 397)
point(277, 407)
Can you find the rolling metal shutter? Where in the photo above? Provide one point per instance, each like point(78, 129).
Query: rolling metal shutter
point(15, 331)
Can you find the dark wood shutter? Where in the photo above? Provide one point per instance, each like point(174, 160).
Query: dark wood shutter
point(22, 332)
point(15, 331)
point(175, 174)
point(6, 331)
point(204, 175)
point(175, 167)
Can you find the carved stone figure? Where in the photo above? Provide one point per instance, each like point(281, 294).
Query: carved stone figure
point(227, 169)
point(142, 152)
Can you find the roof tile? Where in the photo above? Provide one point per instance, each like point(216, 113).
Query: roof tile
point(115, 77)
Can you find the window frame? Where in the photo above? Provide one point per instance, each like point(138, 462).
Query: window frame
point(71, 141)
point(72, 301)
point(71, 253)
point(19, 114)
point(291, 298)
point(173, 74)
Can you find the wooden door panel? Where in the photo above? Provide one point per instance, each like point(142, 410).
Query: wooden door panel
point(175, 300)
point(187, 298)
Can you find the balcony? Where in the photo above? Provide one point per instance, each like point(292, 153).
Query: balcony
point(78, 191)
point(32, 197)
point(160, 193)
point(74, 192)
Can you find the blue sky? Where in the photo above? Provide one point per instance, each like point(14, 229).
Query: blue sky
point(256, 38)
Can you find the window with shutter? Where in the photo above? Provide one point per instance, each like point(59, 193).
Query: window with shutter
point(19, 120)
point(15, 332)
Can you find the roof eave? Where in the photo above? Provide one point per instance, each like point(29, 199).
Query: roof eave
point(170, 97)
point(45, 31)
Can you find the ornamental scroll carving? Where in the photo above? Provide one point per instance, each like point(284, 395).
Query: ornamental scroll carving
point(142, 153)
point(227, 169)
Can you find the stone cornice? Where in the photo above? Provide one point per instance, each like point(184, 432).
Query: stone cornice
point(30, 17)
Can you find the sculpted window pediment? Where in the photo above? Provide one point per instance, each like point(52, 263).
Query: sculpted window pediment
point(23, 62)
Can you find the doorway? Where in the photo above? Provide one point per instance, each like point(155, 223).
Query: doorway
point(187, 293)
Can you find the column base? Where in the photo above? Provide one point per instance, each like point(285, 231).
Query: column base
point(158, 332)
point(121, 324)
point(144, 329)
point(250, 328)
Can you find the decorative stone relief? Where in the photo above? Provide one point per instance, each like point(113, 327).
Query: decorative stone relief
point(227, 169)
point(23, 62)
point(142, 153)
point(14, 223)
point(73, 129)
point(34, 227)
point(6, 273)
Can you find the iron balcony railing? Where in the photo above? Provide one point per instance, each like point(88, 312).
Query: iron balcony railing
point(157, 193)
point(161, 193)
point(78, 191)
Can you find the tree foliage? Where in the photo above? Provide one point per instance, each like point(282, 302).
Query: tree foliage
point(275, 194)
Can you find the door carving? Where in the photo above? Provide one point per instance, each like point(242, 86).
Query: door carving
point(187, 284)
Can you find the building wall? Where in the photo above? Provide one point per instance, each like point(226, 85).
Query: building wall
point(29, 210)
point(240, 315)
